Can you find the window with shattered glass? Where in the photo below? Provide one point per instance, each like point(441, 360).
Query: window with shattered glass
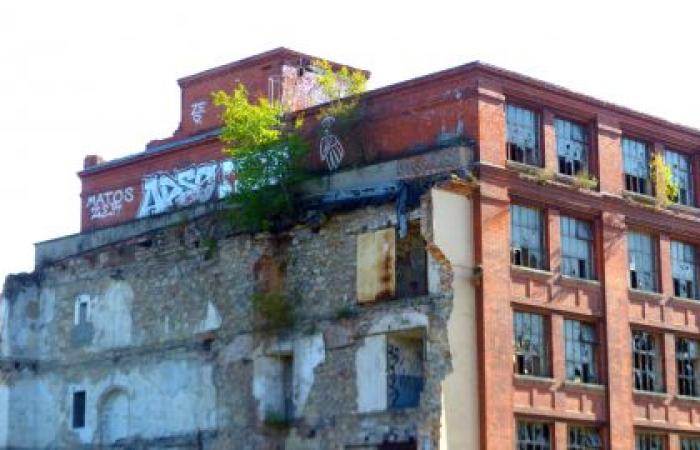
point(649, 441)
point(572, 147)
point(576, 248)
point(635, 155)
point(646, 362)
point(687, 366)
point(581, 344)
point(527, 237)
point(681, 170)
point(530, 344)
point(584, 438)
point(642, 261)
point(533, 436)
point(684, 270)
point(690, 443)
point(523, 135)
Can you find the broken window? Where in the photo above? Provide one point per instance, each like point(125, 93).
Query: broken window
point(523, 135)
point(681, 170)
point(82, 310)
point(687, 359)
point(527, 237)
point(533, 436)
point(581, 344)
point(78, 409)
point(584, 438)
point(685, 278)
point(642, 261)
point(646, 362)
point(405, 356)
point(690, 443)
point(530, 344)
point(648, 441)
point(389, 267)
point(576, 248)
point(635, 155)
point(572, 147)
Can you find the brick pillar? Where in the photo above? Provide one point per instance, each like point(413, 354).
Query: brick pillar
point(665, 271)
point(674, 441)
point(549, 142)
point(610, 150)
point(492, 236)
point(669, 358)
point(553, 237)
point(619, 361)
point(560, 436)
point(556, 324)
point(492, 124)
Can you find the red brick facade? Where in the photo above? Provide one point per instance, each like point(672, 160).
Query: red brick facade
point(470, 101)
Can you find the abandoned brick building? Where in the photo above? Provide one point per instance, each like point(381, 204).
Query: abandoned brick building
point(486, 262)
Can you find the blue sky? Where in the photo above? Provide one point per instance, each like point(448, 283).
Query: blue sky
point(79, 77)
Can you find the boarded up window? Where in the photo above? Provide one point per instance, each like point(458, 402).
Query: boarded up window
point(411, 264)
point(404, 370)
point(376, 261)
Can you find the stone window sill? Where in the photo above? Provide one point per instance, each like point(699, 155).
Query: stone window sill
point(658, 395)
point(534, 379)
point(687, 398)
point(529, 271)
point(571, 181)
point(686, 301)
point(641, 198)
point(522, 167)
point(580, 282)
point(584, 386)
point(645, 295)
point(688, 209)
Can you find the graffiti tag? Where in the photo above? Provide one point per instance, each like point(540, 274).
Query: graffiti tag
point(108, 203)
point(330, 148)
point(197, 111)
point(163, 191)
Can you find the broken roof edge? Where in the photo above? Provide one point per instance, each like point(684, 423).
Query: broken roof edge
point(270, 54)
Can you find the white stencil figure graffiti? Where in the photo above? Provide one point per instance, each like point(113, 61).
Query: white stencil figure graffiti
point(163, 191)
point(108, 203)
point(330, 148)
point(197, 111)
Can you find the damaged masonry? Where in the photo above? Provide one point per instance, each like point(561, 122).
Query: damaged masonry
point(355, 329)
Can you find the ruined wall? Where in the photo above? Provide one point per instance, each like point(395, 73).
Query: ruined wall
point(161, 335)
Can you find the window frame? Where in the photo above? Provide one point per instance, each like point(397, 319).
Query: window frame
point(573, 360)
point(580, 431)
point(585, 161)
point(527, 361)
point(521, 255)
point(661, 439)
point(691, 381)
point(633, 271)
point(647, 364)
point(688, 442)
point(529, 443)
point(513, 147)
point(632, 181)
point(689, 175)
point(678, 256)
point(570, 245)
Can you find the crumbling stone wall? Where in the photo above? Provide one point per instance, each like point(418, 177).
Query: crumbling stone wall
point(169, 325)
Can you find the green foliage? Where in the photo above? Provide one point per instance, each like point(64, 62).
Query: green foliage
point(342, 88)
point(584, 180)
point(273, 308)
point(345, 312)
point(274, 419)
point(664, 184)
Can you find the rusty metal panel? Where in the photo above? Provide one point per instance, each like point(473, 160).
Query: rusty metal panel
point(376, 262)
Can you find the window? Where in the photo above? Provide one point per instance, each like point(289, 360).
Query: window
point(81, 313)
point(682, 174)
point(527, 237)
point(687, 367)
point(642, 261)
point(580, 351)
point(648, 441)
point(572, 147)
point(523, 135)
point(685, 279)
point(533, 436)
point(530, 344)
point(404, 370)
point(576, 248)
point(583, 438)
point(79, 409)
point(635, 155)
point(690, 443)
point(646, 362)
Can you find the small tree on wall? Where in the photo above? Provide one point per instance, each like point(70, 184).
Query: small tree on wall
point(664, 184)
point(265, 142)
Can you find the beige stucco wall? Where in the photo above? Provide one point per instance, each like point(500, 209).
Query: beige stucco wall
point(453, 234)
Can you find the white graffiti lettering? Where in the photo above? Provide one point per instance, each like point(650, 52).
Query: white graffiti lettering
point(330, 148)
point(197, 111)
point(164, 191)
point(108, 203)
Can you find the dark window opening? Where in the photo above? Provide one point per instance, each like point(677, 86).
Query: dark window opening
point(646, 366)
point(405, 379)
point(533, 436)
point(681, 170)
point(687, 366)
point(572, 147)
point(642, 261)
point(523, 135)
point(690, 443)
point(684, 270)
point(647, 441)
point(530, 344)
point(576, 248)
point(582, 438)
point(411, 264)
point(635, 155)
point(79, 409)
point(581, 345)
point(527, 237)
